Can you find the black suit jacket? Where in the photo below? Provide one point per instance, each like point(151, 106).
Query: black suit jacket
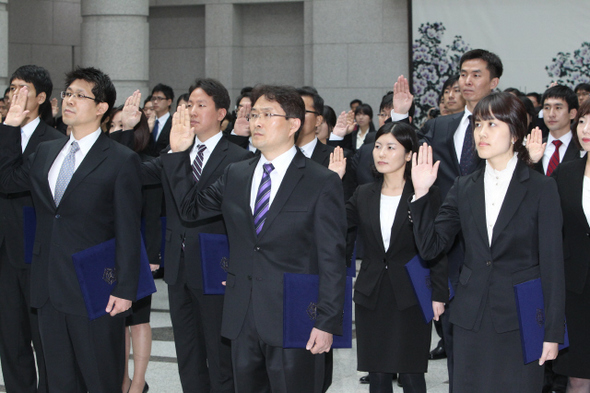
point(526, 244)
point(155, 147)
point(321, 154)
point(178, 230)
point(576, 232)
point(571, 153)
point(101, 202)
point(12, 204)
point(304, 232)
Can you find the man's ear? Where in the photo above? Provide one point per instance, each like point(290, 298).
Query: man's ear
point(41, 97)
point(295, 125)
point(101, 108)
point(221, 113)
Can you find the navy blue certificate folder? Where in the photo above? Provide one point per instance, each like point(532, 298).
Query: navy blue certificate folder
point(29, 227)
point(530, 306)
point(300, 297)
point(419, 274)
point(95, 268)
point(214, 262)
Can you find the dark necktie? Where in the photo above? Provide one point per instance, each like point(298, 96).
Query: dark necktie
point(198, 163)
point(467, 163)
point(554, 161)
point(65, 173)
point(155, 130)
point(262, 198)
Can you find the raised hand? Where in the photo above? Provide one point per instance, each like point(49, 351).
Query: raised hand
point(337, 161)
point(424, 172)
point(242, 125)
point(54, 107)
point(350, 122)
point(131, 115)
point(535, 145)
point(181, 134)
point(152, 120)
point(18, 104)
point(341, 125)
point(402, 98)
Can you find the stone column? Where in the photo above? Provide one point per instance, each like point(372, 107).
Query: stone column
point(115, 39)
point(3, 44)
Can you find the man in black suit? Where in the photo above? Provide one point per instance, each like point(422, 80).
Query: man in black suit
point(307, 141)
point(18, 322)
point(560, 105)
point(86, 190)
point(298, 226)
point(451, 138)
point(162, 98)
point(204, 357)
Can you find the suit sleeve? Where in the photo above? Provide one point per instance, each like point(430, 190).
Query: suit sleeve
point(14, 171)
point(330, 231)
point(439, 269)
point(151, 172)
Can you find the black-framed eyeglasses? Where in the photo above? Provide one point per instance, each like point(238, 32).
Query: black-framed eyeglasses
point(384, 115)
point(265, 116)
point(314, 112)
point(76, 96)
point(156, 98)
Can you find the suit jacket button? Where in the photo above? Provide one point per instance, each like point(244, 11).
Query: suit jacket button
point(57, 216)
point(488, 263)
point(256, 248)
point(588, 234)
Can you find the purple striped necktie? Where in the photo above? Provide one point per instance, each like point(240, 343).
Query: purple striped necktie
point(198, 163)
point(262, 198)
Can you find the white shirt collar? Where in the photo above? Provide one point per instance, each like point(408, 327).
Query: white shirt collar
point(29, 128)
point(162, 120)
point(566, 139)
point(308, 148)
point(210, 143)
point(86, 143)
point(506, 173)
point(282, 162)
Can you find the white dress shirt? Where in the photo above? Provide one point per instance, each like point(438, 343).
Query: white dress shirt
point(387, 210)
point(161, 122)
point(496, 185)
point(280, 163)
point(550, 149)
point(27, 131)
point(210, 145)
point(85, 145)
point(308, 149)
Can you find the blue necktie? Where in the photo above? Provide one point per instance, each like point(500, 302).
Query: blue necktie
point(65, 173)
point(155, 130)
point(262, 198)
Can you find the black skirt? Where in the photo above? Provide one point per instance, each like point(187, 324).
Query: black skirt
point(141, 312)
point(390, 340)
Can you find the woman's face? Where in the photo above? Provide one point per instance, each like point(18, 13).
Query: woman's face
point(583, 130)
point(492, 139)
point(389, 155)
point(116, 123)
point(362, 120)
point(323, 131)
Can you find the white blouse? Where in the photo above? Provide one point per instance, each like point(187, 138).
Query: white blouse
point(586, 198)
point(387, 209)
point(496, 185)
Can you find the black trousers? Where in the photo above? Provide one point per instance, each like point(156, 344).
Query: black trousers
point(18, 328)
point(82, 355)
point(262, 368)
point(204, 357)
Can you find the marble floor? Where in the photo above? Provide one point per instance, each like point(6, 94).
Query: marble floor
point(162, 373)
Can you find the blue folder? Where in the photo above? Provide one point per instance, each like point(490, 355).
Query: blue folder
point(530, 306)
point(351, 270)
point(29, 227)
point(163, 239)
point(300, 297)
point(214, 262)
point(95, 268)
point(419, 274)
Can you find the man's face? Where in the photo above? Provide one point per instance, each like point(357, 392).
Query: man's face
point(383, 115)
point(583, 95)
point(353, 106)
point(312, 118)
point(271, 135)
point(82, 111)
point(453, 100)
point(33, 100)
point(534, 101)
point(205, 118)
point(556, 115)
point(475, 81)
point(161, 103)
point(3, 108)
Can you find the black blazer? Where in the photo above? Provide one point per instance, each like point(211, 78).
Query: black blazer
point(12, 204)
point(304, 232)
point(526, 244)
point(576, 232)
point(101, 202)
point(321, 154)
point(571, 153)
point(155, 147)
point(178, 230)
point(363, 211)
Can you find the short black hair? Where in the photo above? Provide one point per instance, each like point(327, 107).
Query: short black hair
point(318, 101)
point(215, 90)
point(536, 95)
point(514, 91)
point(493, 62)
point(406, 135)
point(246, 89)
point(450, 82)
point(102, 89)
point(364, 109)
point(582, 86)
point(242, 96)
point(564, 93)
point(287, 97)
point(182, 97)
point(329, 117)
point(386, 101)
point(355, 101)
point(39, 77)
point(164, 89)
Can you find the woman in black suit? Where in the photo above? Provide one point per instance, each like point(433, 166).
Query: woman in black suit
point(573, 183)
point(392, 336)
point(511, 221)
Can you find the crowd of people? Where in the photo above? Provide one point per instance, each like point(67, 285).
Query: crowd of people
point(492, 190)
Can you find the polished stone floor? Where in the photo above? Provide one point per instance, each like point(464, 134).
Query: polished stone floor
point(162, 373)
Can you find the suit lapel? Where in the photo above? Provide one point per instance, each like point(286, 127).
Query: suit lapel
point(35, 139)
point(374, 203)
point(571, 153)
point(514, 196)
point(576, 180)
point(451, 129)
point(477, 204)
point(215, 159)
point(401, 215)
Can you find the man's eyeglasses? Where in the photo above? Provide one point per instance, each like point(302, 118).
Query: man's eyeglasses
point(265, 116)
point(76, 96)
point(156, 98)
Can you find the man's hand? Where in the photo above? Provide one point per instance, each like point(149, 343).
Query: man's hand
point(181, 134)
point(341, 124)
point(535, 145)
point(350, 122)
point(402, 98)
point(242, 125)
point(131, 115)
point(152, 121)
point(338, 162)
point(550, 351)
point(154, 267)
point(18, 104)
point(319, 341)
point(117, 305)
point(438, 309)
point(54, 107)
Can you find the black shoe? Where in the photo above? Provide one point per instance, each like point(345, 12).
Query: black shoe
point(146, 387)
point(438, 353)
point(364, 379)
